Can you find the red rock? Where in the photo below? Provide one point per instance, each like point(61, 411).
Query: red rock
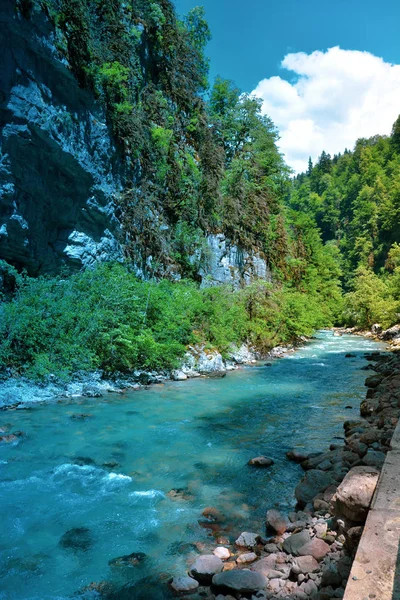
point(316, 548)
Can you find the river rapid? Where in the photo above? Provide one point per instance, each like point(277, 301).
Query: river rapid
point(102, 468)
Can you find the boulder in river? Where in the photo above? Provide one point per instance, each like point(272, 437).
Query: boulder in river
point(354, 495)
point(296, 456)
point(6, 439)
point(243, 581)
point(261, 461)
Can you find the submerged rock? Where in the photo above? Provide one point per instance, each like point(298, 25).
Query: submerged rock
point(84, 460)
point(177, 494)
point(261, 461)
point(128, 560)
point(296, 456)
point(213, 514)
point(78, 538)
point(111, 464)
point(81, 416)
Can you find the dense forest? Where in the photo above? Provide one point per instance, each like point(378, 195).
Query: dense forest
point(354, 201)
point(201, 160)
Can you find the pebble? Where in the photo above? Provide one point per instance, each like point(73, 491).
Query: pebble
point(249, 557)
point(222, 553)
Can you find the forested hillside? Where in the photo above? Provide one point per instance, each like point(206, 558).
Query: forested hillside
point(354, 199)
point(198, 160)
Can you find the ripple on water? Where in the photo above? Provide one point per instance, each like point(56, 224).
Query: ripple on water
point(195, 437)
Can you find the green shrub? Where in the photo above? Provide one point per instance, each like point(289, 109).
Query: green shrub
point(106, 318)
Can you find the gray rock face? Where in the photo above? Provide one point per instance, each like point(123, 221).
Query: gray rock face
point(59, 171)
point(227, 263)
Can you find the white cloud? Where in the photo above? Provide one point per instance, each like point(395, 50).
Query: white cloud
point(335, 97)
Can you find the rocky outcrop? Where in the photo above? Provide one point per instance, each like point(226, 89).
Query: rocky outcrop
point(61, 175)
point(199, 361)
point(226, 262)
point(59, 171)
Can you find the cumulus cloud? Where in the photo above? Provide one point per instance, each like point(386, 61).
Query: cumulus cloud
point(334, 98)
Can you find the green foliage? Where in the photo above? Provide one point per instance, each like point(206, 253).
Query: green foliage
point(370, 301)
point(106, 318)
point(355, 201)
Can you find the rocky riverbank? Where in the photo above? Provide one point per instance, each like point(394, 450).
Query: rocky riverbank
point(20, 392)
point(308, 553)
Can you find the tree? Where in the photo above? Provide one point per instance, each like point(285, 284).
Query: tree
point(395, 137)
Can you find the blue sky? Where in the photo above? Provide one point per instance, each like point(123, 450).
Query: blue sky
point(251, 39)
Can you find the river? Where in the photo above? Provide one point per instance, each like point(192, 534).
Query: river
point(107, 474)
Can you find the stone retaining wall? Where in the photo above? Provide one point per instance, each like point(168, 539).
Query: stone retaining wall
point(375, 571)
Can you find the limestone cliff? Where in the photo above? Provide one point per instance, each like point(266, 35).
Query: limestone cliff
point(61, 174)
point(59, 170)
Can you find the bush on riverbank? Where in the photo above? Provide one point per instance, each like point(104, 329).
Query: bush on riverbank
point(106, 318)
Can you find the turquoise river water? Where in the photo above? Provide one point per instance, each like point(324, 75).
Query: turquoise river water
point(195, 436)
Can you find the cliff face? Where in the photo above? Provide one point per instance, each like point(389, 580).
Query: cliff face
point(60, 172)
